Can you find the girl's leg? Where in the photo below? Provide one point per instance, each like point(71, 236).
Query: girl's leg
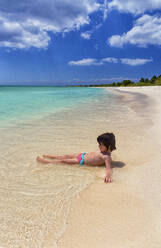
point(64, 161)
point(74, 155)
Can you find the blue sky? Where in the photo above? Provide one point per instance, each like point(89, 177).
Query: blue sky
point(75, 42)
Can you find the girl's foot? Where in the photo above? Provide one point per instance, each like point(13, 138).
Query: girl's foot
point(41, 160)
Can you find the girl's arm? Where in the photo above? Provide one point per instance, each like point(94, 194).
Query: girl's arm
point(108, 169)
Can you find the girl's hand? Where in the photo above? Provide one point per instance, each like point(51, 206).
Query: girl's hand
point(108, 177)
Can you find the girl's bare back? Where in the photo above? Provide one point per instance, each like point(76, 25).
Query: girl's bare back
point(94, 158)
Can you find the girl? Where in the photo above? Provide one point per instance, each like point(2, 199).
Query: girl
point(106, 143)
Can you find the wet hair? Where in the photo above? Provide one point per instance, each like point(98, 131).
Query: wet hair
point(108, 139)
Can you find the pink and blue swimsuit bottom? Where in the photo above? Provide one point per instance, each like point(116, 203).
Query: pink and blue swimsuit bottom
point(81, 158)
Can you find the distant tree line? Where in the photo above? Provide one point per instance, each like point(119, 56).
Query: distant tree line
point(142, 82)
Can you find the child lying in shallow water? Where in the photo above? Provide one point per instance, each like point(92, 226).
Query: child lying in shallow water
point(106, 143)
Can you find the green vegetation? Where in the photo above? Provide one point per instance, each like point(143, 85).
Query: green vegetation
point(154, 81)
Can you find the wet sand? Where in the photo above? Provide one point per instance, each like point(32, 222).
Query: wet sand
point(125, 213)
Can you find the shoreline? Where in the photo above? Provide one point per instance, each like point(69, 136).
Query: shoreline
point(125, 213)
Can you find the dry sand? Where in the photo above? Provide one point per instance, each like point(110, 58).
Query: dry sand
point(127, 212)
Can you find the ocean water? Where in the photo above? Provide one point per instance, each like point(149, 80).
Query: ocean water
point(18, 103)
point(35, 198)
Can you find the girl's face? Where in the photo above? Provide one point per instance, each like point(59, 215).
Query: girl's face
point(102, 147)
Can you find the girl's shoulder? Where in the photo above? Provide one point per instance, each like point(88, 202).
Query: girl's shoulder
point(105, 155)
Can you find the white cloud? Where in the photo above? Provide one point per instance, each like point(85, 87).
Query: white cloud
point(86, 35)
point(135, 7)
point(110, 60)
point(146, 31)
point(93, 61)
point(22, 35)
point(135, 62)
point(24, 24)
point(85, 62)
point(105, 9)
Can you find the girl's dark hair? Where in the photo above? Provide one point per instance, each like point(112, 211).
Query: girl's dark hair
point(108, 139)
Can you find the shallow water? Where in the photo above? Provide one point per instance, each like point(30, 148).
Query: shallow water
point(35, 198)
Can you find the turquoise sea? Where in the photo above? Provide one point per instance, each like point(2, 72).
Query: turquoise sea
point(20, 102)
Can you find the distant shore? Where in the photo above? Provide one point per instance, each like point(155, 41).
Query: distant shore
point(154, 81)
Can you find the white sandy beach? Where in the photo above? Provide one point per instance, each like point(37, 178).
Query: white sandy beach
point(127, 212)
